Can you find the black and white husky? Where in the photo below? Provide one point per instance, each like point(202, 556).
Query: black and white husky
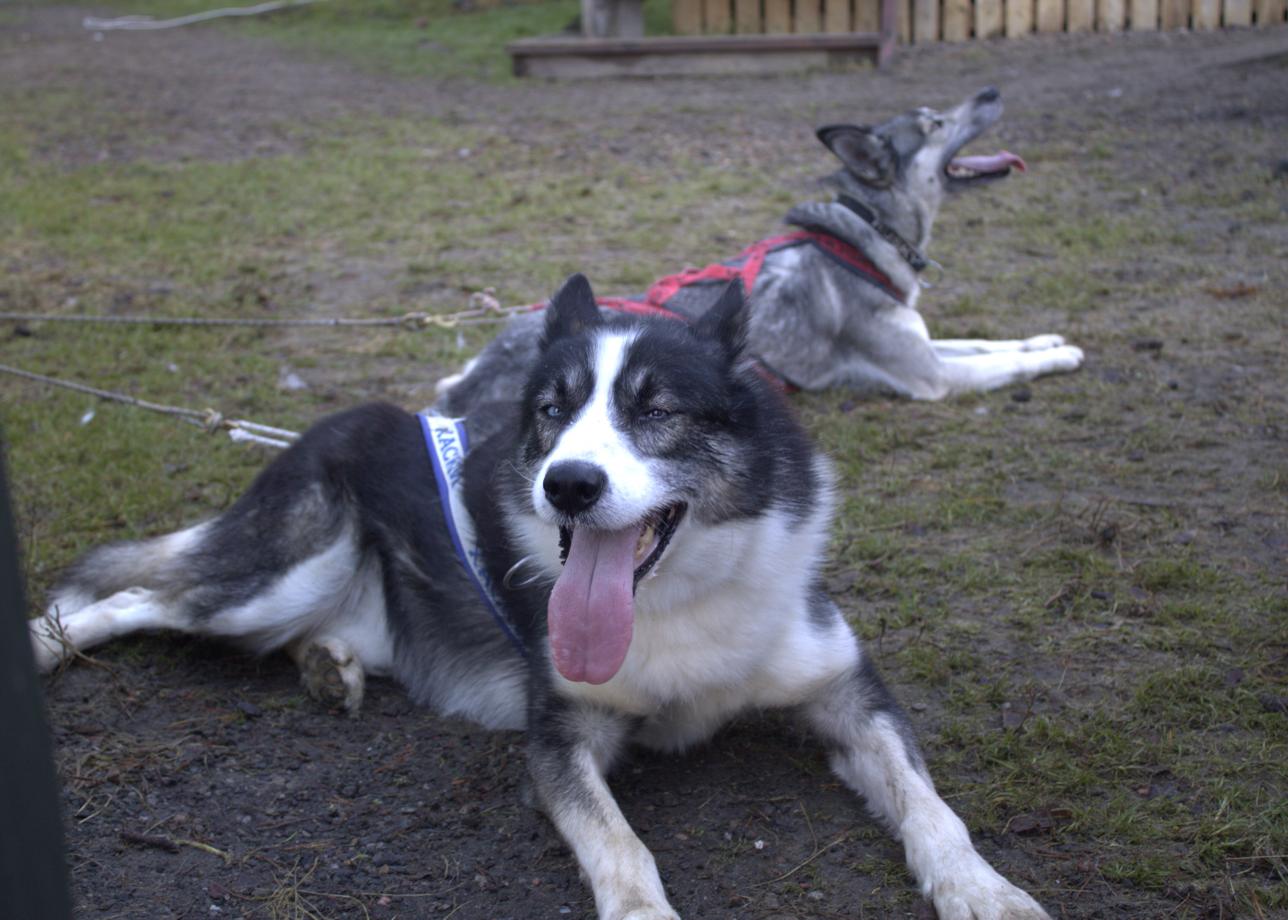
point(644, 566)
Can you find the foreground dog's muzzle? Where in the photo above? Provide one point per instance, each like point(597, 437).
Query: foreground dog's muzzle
point(574, 486)
point(591, 614)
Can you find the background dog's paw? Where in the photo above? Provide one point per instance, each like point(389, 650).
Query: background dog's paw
point(1043, 342)
point(1063, 358)
point(446, 383)
point(983, 894)
point(332, 674)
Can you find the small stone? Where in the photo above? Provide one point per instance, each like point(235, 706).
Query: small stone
point(1271, 703)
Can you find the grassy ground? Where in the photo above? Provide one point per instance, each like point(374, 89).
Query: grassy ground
point(1078, 586)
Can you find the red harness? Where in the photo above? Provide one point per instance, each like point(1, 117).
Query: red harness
point(746, 266)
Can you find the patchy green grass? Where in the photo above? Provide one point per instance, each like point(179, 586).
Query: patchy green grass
point(408, 37)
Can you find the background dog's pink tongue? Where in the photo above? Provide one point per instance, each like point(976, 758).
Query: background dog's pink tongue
point(592, 607)
point(993, 163)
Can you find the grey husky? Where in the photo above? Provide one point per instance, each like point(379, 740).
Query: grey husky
point(835, 305)
point(635, 557)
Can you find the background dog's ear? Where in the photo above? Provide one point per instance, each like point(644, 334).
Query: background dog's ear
point(864, 152)
point(726, 322)
point(571, 310)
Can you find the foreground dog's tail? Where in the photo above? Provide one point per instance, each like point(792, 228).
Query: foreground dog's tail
point(132, 573)
point(155, 563)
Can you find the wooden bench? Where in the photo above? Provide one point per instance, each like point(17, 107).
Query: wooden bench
point(792, 35)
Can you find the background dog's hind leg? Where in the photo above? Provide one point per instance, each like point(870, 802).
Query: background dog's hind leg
point(57, 637)
point(875, 755)
point(330, 671)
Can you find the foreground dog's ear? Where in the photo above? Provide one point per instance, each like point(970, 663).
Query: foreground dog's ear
point(865, 153)
point(726, 322)
point(571, 310)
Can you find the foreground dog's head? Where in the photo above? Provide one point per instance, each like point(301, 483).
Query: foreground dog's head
point(632, 431)
point(915, 156)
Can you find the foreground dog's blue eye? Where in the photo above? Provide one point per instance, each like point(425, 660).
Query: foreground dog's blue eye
point(551, 411)
point(655, 414)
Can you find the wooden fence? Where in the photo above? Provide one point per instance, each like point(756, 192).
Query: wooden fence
point(959, 20)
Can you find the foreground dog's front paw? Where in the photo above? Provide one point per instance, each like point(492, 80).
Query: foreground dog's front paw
point(982, 894)
point(331, 674)
point(650, 913)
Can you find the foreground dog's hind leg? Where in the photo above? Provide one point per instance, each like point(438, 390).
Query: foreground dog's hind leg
point(57, 636)
point(875, 754)
point(570, 748)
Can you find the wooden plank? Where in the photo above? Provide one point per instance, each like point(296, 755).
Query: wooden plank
point(1238, 12)
point(925, 21)
point(867, 15)
point(1144, 15)
point(563, 57)
point(1110, 15)
point(988, 18)
point(809, 16)
point(686, 16)
point(904, 20)
point(1270, 12)
point(1174, 14)
point(629, 19)
point(778, 17)
point(1050, 15)
point(715, 17)
point(888, 36)
point(1205, 14)
point(836, 15)
point(746, 17)
point(957, 17)
point(1019, 17)
point(1080, 15)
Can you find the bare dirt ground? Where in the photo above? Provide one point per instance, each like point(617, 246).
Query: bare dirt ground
point(200, 783)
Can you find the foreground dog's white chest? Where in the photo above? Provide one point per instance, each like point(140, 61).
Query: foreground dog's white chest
point(727, 627)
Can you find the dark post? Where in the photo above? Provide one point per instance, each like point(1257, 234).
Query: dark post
point(33, 870)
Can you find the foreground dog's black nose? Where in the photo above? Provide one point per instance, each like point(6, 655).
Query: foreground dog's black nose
point(572, 486)
point(988, 95)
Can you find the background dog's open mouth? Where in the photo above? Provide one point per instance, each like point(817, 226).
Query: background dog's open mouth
point(591, 615)
point(990, 166)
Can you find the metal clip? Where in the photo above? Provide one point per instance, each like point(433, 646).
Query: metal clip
point(939, 275)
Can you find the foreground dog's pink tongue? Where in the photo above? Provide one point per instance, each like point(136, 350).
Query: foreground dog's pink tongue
point(592, 607)
point(991, 163)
